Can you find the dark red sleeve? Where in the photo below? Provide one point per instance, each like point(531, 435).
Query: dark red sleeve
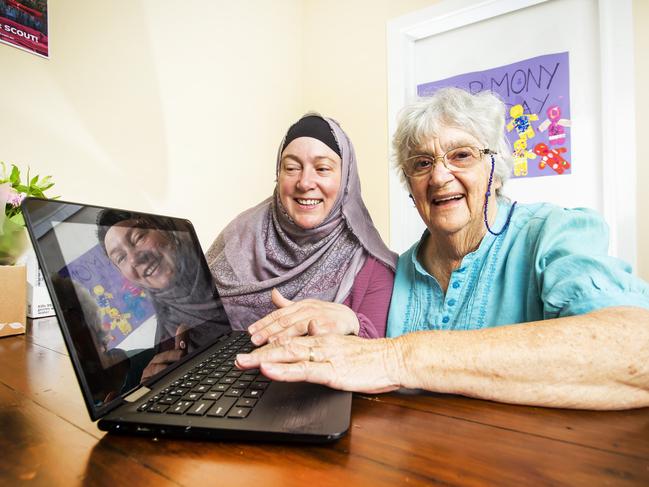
point(370, 297)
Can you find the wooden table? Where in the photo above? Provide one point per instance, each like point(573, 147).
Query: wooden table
point(395, 439)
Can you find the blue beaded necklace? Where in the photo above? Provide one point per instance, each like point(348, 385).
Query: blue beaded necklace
point(486, 203)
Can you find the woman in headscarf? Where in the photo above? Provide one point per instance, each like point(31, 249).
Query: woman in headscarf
point(307, 259)
point(157, 255)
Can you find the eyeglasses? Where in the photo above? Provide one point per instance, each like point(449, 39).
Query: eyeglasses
point(456, 159)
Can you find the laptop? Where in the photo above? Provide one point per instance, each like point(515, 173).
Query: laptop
point(149, 340)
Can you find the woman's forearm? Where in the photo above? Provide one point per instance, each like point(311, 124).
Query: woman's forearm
point(595, 361)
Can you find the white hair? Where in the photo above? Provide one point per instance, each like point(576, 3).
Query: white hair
point(482, 115)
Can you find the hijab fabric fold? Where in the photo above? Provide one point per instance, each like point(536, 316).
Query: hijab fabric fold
point(264, 249)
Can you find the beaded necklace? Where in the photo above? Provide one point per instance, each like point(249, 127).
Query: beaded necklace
point(486, 203)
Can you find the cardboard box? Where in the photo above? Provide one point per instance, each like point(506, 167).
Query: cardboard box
point(13, 299)
point(39, 303)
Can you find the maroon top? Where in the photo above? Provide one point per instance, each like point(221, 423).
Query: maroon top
point(370, 297)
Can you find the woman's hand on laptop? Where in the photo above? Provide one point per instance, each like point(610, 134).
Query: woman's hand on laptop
point(162, 360)
point(309, 316)
point(348, 363)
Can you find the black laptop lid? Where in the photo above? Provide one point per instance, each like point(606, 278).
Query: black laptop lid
point(132, 291)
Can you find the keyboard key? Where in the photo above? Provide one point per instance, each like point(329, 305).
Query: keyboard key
point(234, 392)
point(239, 412)
point(180, 407)
point(259, 385)
point(144, 407)
point(235, 373)
point(209, 381)
point(221, 407)
point(246, 402)
point(253, 393)
point(192, 396)
point(168, 400)
point(227, 380)
point(189, 384)
point(200, 408)
point(263, 378)
point(213, 395)
point(220, 387)
point(157, 408)
point(241, 384)
point(201, 388)
point(179, 391)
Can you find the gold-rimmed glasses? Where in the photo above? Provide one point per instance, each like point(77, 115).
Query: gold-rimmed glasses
point(456, 159)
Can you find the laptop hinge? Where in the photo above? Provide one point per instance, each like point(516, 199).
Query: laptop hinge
point(135, 395)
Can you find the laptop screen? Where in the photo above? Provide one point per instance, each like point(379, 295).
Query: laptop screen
point(133, 293)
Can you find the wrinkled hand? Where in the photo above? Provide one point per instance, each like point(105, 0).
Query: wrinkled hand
point(341, 362)
point(162, 360)
point(310, 316)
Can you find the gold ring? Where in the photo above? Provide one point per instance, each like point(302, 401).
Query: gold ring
point(311, 355)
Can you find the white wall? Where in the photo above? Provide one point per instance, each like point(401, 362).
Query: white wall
point(165, 106)
point(641, 33)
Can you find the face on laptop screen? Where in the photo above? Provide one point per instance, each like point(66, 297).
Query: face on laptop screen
point(134, 292)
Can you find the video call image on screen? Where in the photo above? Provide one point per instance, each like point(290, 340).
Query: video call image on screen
point(134, 295)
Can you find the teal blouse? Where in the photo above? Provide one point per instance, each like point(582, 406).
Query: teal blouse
point(550, 262)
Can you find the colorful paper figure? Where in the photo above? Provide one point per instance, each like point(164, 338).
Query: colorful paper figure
point(521, 155)
point(555, 124)
point(135, 300)
point(521, 121)
point(111, 317)
point(552, 158)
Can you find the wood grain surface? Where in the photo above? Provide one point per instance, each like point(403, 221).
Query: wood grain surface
point(403, 438)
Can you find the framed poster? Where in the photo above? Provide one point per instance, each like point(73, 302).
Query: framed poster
point(23, 24)
point(472, 42)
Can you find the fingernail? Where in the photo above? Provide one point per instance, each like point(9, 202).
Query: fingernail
point(256, 339)
point(242, 357)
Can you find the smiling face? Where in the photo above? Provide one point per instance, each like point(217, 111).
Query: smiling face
point(451, 202)
point(144, 256)
point(308, 181)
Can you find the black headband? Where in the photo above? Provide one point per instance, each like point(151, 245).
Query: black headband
point(315, 127)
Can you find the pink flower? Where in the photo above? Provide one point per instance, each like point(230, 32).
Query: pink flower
point(15, 198)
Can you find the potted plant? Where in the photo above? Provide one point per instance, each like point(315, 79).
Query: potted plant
point(13, 244)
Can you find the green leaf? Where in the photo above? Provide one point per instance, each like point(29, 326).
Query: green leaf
point(15, 175)
point(18, 219)
point(33, 181)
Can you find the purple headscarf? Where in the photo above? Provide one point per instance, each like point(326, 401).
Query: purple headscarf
point(263, 249)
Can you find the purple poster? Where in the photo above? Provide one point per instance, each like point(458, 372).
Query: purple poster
point(122, 306)
point(536, 92)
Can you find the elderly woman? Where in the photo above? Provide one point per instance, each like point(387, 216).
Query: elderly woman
point(579, 324)
point(312, 241)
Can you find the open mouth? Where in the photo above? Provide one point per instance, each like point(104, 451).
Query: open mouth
point(447, 200)
point(151, 268)
point(307, 203)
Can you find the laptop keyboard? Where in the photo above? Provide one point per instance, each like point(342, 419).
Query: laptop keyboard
point(214, 387)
